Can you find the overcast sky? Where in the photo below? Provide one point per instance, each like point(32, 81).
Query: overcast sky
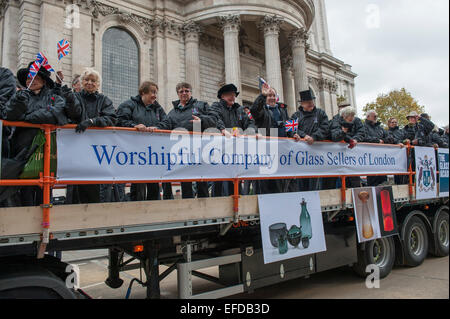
point(408, 46)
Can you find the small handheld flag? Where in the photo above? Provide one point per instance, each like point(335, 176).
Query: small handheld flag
point(261, 82)
point(291, 126)
point(44, 62)
point(63, 48)
point(34, 69)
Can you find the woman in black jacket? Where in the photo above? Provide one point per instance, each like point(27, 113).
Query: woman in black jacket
point(96, 110)
point(142, 112)
point(37, 104)
point(350, 129)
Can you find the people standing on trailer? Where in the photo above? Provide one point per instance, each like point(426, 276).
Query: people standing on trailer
point(375, 134)
point(96, 110)
point(188, 113)
point(313, 126)
point(37, 104)
point(270, 120)
point(350, 129)
point(142, 112)
point(230, 116)
point(332, 182)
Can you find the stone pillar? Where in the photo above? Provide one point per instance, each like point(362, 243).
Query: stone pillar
point(51, 31)
point(28, 32)
point(231, 26)
point(9, 45)
point(271, 27)
point(324, 87)
point(173, 65)
point(81, 46)
point(288, 82)
point(192, 32)
point(333, 94)
point(159, 56)
point(298, 40)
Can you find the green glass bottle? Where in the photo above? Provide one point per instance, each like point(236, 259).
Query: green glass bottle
point(282, 244)
point(305, 223)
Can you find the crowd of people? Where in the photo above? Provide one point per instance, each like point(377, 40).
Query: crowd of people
point(40, 100)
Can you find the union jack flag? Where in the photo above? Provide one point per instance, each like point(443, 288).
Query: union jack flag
point(291, 126)
point(44, 62)
point(34, 69)
point(63, 47)
point(262, 82)
point(250, 116)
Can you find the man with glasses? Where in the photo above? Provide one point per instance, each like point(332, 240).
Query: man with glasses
point(376, 134)
point(188, 113)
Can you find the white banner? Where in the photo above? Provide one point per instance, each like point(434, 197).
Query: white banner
point(426, 183)
point(134, 156)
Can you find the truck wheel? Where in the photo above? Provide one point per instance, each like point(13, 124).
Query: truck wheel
point(380, 252)
point(415, 242)
point(441, 235)
point(29, 293)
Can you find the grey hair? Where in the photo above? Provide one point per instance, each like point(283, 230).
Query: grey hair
point(90, 71)
point(371, 112)
point(347, 111)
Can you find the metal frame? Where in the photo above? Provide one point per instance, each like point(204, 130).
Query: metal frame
point(47, 181)
point(186, 270)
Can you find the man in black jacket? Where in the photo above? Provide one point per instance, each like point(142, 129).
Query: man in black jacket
point(396, 135)
point(270, 119)
point(229, 115)
point(376, 134)
point(331, 182)
point(142, 112)
point(312, 127)
point(350, 129)
point(189, 113)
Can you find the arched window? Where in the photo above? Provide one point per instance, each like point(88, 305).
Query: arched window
point(120, 65)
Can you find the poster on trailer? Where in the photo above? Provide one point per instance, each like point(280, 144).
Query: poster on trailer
point(366, 214)
point(386, 211)
point(291, 225)
point(443, 172)
point(426, 184)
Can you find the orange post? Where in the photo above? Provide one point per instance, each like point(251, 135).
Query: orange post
point(46, 188)
point(343, 191)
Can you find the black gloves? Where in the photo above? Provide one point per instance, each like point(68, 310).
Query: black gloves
point(84, 125)
point(23, 95)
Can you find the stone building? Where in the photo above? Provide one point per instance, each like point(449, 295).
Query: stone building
point(205, 42)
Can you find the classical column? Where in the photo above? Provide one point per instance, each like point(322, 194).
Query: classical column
point(231, 26)
point(192, 33)
point(288, 82)
point(271, 27)
point(333, 94)
point(298, 40)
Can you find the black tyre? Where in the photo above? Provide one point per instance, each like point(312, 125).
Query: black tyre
point(415, 242)
point(441, 236)
point(380, 252)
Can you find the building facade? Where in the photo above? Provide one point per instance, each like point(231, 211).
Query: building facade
point(205, 42)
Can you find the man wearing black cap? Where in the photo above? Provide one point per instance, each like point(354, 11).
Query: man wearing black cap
point(312, 126)
point(229, 115)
